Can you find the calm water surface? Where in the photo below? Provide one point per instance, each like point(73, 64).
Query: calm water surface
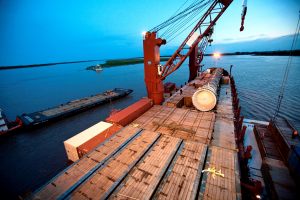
point(30, 158)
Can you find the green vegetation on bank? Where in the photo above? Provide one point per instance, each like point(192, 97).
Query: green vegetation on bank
point(132, 61)
point(263, 53)
point(43, 65)
point(129, 61)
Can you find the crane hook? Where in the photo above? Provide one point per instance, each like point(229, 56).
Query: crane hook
point(244, 12)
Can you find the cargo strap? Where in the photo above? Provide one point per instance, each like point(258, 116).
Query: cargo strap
point(214, 172)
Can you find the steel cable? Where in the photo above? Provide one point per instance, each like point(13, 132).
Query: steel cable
point(171, 26)
point(192, 23)
point(194, 6)
point(287, 69)
point(179, 26)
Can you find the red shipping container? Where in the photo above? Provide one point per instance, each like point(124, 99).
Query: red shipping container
point(127, 115)
point(97, 140)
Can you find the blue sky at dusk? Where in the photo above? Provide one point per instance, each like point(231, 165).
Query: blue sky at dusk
point(35, 31)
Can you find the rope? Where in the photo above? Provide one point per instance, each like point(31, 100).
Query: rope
point(287, 70)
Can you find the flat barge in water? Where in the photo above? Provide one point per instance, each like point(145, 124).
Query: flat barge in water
point(72, 107)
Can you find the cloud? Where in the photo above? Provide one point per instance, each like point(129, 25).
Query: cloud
point(242, 39)
point(261, 44)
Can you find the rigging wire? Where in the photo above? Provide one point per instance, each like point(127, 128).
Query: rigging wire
point(178, 21)
point(189, 25)
point(179, 26)
point(190, 9)
point(287, 69)
point(174, 18)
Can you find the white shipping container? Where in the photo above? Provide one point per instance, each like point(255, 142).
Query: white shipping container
point(74, 142)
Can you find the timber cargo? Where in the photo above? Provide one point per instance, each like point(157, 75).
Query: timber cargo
point(171, 152)
point(165, 151)
point(72, 107)
point(193, 145)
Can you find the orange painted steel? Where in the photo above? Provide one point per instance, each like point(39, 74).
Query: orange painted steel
point(154, 84)
point(156, 73)
point(127, 115)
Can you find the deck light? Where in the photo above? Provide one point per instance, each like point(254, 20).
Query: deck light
point(216, 55)
point(144, 34)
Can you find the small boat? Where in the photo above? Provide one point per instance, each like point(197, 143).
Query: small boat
point(96, 68)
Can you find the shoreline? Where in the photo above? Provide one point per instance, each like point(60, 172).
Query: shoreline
point(138, 60)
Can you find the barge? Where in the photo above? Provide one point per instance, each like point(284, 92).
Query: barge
point(72, 107)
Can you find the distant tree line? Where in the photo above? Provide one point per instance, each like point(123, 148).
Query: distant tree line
point(263, 53)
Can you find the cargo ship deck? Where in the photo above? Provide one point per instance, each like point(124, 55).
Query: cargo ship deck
point(168, 152)
point(72, 107)
point(175, 151)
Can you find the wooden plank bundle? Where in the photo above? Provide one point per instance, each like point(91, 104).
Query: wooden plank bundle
point(166, 153)
point(180, 99)
point(76, 172)
point(152, 118)
point(142, 181)
point(104, 180)
point(182, 179)
point(178, 122)
point(225, 182)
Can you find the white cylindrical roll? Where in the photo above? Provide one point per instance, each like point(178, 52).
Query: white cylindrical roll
point(205, 98)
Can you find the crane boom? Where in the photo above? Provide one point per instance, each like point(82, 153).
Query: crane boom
point(155, 73)
point(204, 25)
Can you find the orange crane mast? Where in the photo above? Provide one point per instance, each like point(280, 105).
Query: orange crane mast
point(155, 73)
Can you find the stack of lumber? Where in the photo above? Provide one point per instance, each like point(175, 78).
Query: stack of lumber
point(166, 153)
point(181, 123)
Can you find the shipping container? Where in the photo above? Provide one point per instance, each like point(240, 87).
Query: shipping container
point(127, 115)
point(72, 144)
point(98, 139)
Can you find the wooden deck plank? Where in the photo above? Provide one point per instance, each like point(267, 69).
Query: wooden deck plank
point(151, 119)
point(76, 172)
point(224, 126)
point(181, 123)
point(145, 176)
point(218, 187)
point(178, 100)
point(104, 180)
point(172, 123)
point(183, 176)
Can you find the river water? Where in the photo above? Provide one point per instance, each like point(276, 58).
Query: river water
point(31, 157)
